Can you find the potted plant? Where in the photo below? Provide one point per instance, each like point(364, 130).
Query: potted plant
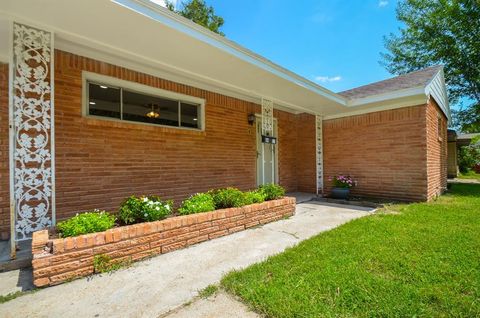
point(341, 186)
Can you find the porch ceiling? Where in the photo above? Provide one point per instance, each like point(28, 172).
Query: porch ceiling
point(135, 33)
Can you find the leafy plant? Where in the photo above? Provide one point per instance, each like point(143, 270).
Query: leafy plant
point(88, 222)
point(103, 264)
point(441, 32)
point(199, 12)
point(144, 209)
point(227, 198)
point(469, 157)
point(343, 181)
point(255, 196)
point(200, 202)
point(272, 191)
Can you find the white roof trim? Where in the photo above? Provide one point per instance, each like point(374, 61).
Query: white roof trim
point(173, 20)
point(386, 96)
point(421, 99)
point(139, 64)
point(437, 89)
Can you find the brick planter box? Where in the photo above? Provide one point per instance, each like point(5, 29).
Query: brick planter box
point(58, 260)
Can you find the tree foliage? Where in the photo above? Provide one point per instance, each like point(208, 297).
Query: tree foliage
point(441, 32)
point(469, 156)
point(199, 12)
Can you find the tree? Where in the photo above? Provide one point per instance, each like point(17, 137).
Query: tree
point(199, 12)
point(441, 32)
point(469, 156)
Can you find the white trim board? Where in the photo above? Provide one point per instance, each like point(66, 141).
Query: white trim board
point(154, 68)
point(157, 13)
point(422, 99)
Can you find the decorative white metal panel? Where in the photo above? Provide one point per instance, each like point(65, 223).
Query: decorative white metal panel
point(267, 117)
point(31, 130)
point(319, 142)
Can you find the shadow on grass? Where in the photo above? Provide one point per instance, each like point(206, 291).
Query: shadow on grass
point(465, 190)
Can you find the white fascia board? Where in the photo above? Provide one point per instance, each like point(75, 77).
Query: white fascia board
point(93, 49)
point(405, 102)
point(173, 20)
point(437, 89)
point(111, 55)
point(420, 90)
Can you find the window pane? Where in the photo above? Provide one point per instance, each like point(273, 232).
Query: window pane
point(149, 109)
point(190, 115)
point(103, 101)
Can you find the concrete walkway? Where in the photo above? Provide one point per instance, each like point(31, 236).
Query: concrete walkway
point(464, 181)
point(221, 305)
point(161, 284)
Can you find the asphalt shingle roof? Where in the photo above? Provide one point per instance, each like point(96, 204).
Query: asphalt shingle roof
point(409, 80)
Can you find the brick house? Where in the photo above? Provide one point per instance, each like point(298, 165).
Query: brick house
point(146, 102)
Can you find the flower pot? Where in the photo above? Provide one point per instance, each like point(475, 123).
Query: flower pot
point(340, 193)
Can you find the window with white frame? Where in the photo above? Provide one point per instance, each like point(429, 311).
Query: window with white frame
point(155, 107)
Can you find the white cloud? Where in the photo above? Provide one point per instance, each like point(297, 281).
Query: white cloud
point(382, 3)
point(327, 79)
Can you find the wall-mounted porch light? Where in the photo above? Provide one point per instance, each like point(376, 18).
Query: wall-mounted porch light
point(251, 118)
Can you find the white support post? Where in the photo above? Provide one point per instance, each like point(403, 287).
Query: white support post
point(319, 152)
point(32, 166)
point(267, 130)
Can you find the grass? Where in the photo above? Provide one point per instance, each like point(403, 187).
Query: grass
point(208, 291)
point(421, 260)
point(104, 264)
point(13, 295)
point(469, 175)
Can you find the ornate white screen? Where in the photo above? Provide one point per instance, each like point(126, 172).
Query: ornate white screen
point(267, 117)
point(319, 142)
point(31, 114)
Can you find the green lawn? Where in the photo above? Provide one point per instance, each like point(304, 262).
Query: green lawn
point(469, 175)
point(408, 260)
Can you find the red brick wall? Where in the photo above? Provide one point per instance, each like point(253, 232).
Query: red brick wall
point(58, 260)
point(436, 149)
point(287, 149)
point(305, 154)
point(4, 153)
point(384, 151)
point(100, 162)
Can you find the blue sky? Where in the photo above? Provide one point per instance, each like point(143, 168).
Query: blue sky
point(332, 42)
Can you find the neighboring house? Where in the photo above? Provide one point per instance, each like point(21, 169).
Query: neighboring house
point(466, 139)
point(147, 102)
point(452, 159)
point(461, 140)
point(455, 142)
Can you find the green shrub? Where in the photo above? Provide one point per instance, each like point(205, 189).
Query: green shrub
point(88, 222)
point(272, 191)
point(255, 196)
point(144, 209)
point(200, 202)
point(469, 156)
point(227, 198)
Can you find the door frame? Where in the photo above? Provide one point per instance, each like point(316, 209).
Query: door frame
point(258, 135)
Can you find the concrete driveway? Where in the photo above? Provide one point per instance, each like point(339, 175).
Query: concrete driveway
point(161, 284)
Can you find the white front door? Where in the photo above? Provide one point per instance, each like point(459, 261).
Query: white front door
point(267, 156)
